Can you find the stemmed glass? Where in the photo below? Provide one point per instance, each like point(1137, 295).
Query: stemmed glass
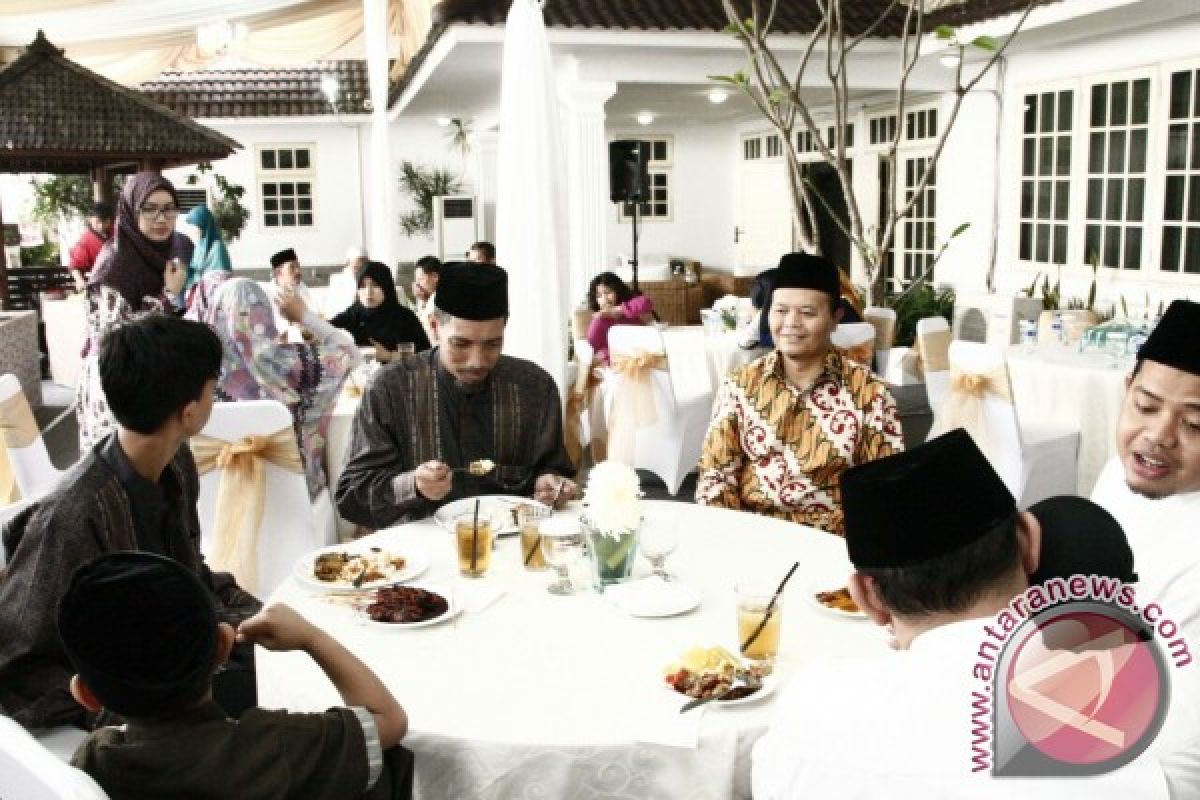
point(562, 548)
point(1115, 344)
point(657, 540)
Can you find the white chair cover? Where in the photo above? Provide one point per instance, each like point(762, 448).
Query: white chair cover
point(669, 447)
point(884, 321)
point(1034, 462)
point(933, 346)
point(857, 340)
point(291, 525)
point(31, 772)
point(31, 466)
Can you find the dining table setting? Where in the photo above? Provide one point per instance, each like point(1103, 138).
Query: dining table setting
point(528, 668)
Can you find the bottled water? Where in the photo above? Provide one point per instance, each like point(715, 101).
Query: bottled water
point(1028, 330)
point(1056, 329)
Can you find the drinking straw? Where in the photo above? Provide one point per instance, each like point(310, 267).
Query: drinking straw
point(475, 537)
point(770, 609)
point(536, 544)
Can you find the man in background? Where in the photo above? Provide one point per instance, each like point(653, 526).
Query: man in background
point(83, 254)
point(482, 253)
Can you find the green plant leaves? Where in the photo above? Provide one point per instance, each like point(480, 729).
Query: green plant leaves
point(944, 32)
point(988, 43)
point(422, 184)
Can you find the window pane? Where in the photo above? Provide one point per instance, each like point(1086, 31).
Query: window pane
point(1091, 242)
point(910, 128)
point(270, 204)
point(1096, 153)
point(930, 238)
point(1181, 94)
point(1043, 243)
point(1196, 144)
point(1095, 198)
point(660, 149)
point(304, 204)
point(1173, 202)
point(287, 204)
point(1119, 108)
point(269, 189)
point(271, 220)
point(1060, 244)
point(1099, 105)
point(932, 200)
point(285, 159)
point(1135, 198)
point(1046, 156)
point(1141, 101)
point(267, 157)
point(1027, 198)
point(1029, 150)
point(1194, 198)
point(1133, 248)
point(921, 125)
point(660, 209)
point(1062, 195)
point(1113, 202)
point(1047, 116)
point(304, 188)
point(1112, 246)
point(1177, 147)
point(302, 161)
point(1170, 249)
point(288, 220)
point(287, 188)
point(1191, 256)
point(1065, 102)
point(1026, 241)
point(1031, 113)
point(1043, 203)
point(1062, 157)
point(1116, 151)
point(306, 219)
point(933, 122)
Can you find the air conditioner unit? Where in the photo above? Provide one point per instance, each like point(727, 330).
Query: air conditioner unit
point(993, 318)
point(455, 225)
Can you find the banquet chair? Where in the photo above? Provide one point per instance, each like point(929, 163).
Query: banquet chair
point(670, 446)
point(857, 341)
point(31, 467)
point(291, 525)
point(1034, 461)
point(883, 320)
point(933, 346)
point(30, 771)
point(591, 418)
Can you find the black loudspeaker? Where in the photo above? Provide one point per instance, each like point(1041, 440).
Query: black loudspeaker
point(628, 170)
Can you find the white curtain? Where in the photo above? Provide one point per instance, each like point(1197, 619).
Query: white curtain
point(531, 214)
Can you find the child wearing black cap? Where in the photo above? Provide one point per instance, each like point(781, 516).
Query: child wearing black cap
point(143, 636)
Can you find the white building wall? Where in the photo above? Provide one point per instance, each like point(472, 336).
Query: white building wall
point(702, 194)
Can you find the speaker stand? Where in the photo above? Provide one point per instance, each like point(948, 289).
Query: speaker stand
point(633, 262)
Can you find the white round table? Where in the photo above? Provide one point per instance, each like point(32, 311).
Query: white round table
point(542, 696)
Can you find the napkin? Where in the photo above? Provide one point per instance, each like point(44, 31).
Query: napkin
point(659, 720)
point(475, 597)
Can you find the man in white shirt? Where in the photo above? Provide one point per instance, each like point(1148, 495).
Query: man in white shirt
point(940, 550)
point(426, 275)
point(343, 286)
point(287, 279)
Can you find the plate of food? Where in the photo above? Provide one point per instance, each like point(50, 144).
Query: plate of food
point(501, 509)
point(355, 568)
point(708, 671)
point(837, 602)
point(398, 607)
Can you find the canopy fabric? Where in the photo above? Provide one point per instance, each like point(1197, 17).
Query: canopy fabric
point(531, 218)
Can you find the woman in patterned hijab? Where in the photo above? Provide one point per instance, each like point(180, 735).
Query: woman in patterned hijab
point(255, 365)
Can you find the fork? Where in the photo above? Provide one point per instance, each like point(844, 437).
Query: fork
point(741, 680)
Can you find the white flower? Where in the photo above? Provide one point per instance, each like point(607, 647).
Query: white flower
point(612, 499)
point(728, 303)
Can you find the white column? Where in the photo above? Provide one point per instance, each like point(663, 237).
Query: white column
point(381, 184)
point(587, 178)
point(485, 144)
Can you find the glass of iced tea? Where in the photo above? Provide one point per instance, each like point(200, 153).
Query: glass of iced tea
point(530, 518)
point(474, 537)
point(758, 622)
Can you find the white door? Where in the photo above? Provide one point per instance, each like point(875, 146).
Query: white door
point(763, 229)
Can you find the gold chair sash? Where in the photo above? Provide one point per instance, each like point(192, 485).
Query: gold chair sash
point(583, 399)
point(885, 329)
point(9, 493)
point(863, 353)
point(963, 407)
point(241, 495)
point(17, 429)
point(633, 404)
point(934, 350)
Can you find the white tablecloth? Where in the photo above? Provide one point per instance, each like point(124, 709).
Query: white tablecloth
point(66, 328)
point(1083, 390)
point(337, 438)
point(538, 696)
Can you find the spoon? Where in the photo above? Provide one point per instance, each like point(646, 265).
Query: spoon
point(477, 468)
point(741, 680)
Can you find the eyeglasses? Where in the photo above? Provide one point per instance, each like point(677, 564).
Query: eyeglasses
point(153, 212)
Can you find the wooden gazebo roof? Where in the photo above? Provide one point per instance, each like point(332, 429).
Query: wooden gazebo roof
point(56, 116)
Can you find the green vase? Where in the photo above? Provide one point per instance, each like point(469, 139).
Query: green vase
point(611, 557)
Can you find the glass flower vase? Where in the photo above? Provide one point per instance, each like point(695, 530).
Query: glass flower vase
point(610, 554)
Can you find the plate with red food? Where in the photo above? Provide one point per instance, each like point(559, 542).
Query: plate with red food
point(356, 568)
point(397, 607)
point(838, 603)
point(706, 672)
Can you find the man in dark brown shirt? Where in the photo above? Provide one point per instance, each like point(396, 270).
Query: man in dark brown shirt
point(135, 490)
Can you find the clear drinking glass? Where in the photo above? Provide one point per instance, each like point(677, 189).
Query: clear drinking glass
point(562, 548)
point(1115, 343)
point(657, 539)
point(758, 621)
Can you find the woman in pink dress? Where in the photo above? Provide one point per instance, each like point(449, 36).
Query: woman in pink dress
point(614, 304)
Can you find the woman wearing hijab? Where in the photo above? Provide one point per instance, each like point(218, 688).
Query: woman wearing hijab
point(140, 265)
point(255, 365)
point(211, 255)
point(377, 318)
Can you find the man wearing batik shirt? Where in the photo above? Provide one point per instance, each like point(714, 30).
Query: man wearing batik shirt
point(787, 425)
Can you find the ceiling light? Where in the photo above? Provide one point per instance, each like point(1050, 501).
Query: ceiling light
point(443, 122)
point(645, 118)
point(329, 88)
point(951, 58)
point(717, 95)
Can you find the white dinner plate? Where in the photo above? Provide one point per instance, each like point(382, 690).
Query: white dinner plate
point(769, 684)
point(496, 506)
point(811, 597)
point(417, 561)
point(653, 597)
point(451, 610)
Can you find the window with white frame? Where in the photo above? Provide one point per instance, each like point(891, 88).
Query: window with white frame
point(751, 148)
point(774, 146)
point(882, 129)
point(920, 124)
point(916, 232)
point(286, 177)
point(656, 206)
point(1118, 134)
point(915, 235)
point(1181, 201)
point(1046, 176)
